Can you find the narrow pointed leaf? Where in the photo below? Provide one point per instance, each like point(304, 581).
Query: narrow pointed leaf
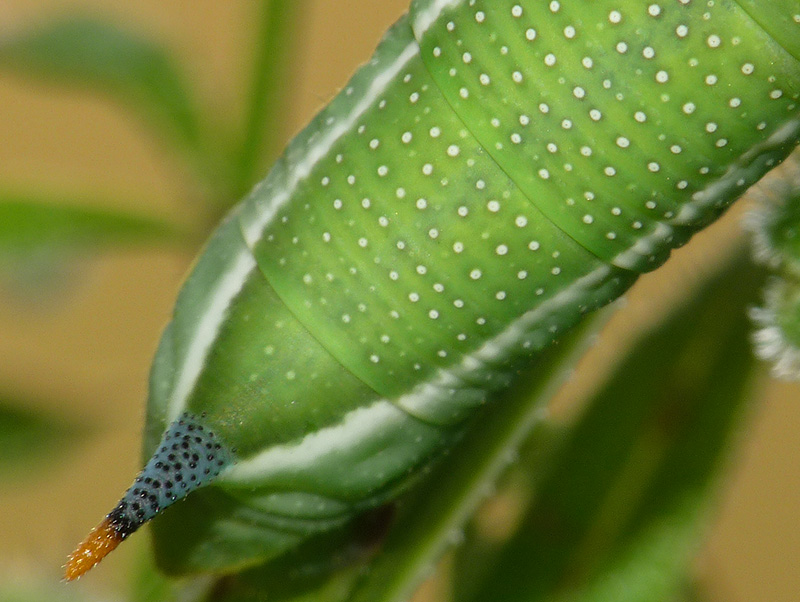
point(132, 69)
point(31, 438)
point(39, 241)
point(28, 225)
point(619, 515)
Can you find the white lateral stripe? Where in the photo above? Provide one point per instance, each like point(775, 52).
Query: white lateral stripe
point(356, 426)
point(425, 18)
point(711, 194)
point(302, 169)
point(644, 247)
point(207, 328)
point(498, 347)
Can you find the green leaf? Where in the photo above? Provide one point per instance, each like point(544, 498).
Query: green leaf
point(619, 515)
point(148, 584)
point(134, 70)
point(30, 438)
point(28, 225)
point(39, 240)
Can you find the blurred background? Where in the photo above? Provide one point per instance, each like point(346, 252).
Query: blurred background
point(77, 336)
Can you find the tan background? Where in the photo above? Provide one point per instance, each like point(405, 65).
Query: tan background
point(90, 348)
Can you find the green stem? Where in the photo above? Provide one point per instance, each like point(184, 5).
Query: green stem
point(276, 23)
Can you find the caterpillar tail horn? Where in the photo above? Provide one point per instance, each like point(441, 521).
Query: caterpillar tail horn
point(189, 456)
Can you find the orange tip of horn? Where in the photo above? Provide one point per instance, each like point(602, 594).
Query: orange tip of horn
point(100, 541)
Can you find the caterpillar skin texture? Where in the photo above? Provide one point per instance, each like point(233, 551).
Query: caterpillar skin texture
point(496, 171)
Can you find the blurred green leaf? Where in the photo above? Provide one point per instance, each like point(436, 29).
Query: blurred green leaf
point(28, 225)
point(39, 241)
point(148, 584)
point(134, 70)
point(29, 438)
point(619, 515)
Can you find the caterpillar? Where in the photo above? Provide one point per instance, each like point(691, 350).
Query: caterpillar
point(495, 172)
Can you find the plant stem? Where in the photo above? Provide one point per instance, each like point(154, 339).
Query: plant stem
point(276, 22)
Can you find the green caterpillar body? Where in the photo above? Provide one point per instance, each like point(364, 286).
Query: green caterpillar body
point(496, 171)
